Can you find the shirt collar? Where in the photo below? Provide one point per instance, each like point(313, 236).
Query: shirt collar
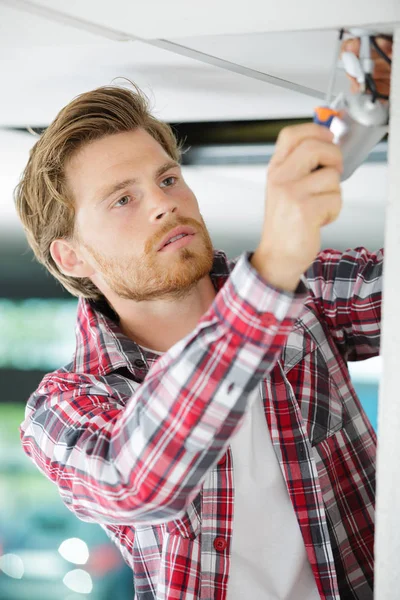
point(102, 348)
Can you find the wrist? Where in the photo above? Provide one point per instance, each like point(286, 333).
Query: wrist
point(275, 272)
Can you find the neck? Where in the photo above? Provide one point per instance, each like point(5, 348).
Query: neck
point(159, 324)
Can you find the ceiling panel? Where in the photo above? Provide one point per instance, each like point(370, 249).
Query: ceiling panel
point(180, 18)
point(39, 82)
point(20, 29)
point(305, 57)
point(44, 64)
point(48, 59)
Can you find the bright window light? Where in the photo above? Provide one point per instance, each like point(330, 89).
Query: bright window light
point(78, 581)
point(75, 551)
point(36, 333)
point(12, 565)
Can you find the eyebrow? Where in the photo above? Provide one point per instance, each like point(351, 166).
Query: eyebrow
point(107, 191)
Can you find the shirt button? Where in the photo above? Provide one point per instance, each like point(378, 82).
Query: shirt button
point(268, 319)
point(220, 544)
point(139, 363)
point(223, 460)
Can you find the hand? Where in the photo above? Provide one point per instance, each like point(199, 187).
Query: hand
point(382, 70)
point(301, 198)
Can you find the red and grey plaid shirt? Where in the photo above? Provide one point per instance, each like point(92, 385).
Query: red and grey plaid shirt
point(140, 443)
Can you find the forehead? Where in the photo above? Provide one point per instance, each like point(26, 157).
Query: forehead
point(113, 156)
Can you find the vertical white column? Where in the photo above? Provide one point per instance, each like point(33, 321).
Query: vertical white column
point(387, 543)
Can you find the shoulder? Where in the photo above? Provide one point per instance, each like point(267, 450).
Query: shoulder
point(330, 260)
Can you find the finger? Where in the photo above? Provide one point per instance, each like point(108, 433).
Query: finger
point(322, 181)
point(306, 157)
point(325, 208)
point(290, 137)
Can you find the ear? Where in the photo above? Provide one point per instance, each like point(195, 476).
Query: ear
point(69, 261)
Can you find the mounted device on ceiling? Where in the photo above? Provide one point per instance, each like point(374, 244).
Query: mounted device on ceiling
point(358, 121)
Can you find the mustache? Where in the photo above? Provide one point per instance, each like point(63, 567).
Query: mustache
point(157, 238)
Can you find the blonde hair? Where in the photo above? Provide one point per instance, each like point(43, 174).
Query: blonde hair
point(43, 202)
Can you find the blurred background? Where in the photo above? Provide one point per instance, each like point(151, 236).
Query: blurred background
point(229, 123)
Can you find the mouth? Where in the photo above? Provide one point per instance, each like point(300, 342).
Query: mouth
point(177, 238)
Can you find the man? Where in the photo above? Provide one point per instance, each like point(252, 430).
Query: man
point(207, 420)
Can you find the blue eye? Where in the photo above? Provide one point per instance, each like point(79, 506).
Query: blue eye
point(122, 201)
point(170, 179)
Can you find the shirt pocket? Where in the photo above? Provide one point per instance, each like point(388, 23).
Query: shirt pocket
point(189, 524)
point(313, 373)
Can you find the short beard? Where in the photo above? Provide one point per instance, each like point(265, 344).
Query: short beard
point(142, 279)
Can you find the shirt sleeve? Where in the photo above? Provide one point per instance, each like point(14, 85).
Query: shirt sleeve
point(145, 461)
point(347, 289)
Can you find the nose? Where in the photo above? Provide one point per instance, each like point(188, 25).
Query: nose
point(162, 205)
point(165, 212)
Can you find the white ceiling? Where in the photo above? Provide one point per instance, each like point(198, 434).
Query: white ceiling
point(45, 62)
point(182, 18)
point(39, 81)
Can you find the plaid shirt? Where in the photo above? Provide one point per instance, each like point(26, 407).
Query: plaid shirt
point(140, 443)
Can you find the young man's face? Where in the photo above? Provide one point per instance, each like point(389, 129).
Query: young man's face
point(121, 231)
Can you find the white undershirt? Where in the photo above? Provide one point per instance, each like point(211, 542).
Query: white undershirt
point(268, 556)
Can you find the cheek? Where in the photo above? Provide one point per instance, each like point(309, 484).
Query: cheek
point(191, 200)
point(111, 234)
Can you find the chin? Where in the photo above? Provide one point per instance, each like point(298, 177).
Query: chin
point(164, 277)
point(193, 265)
point(186, 268)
